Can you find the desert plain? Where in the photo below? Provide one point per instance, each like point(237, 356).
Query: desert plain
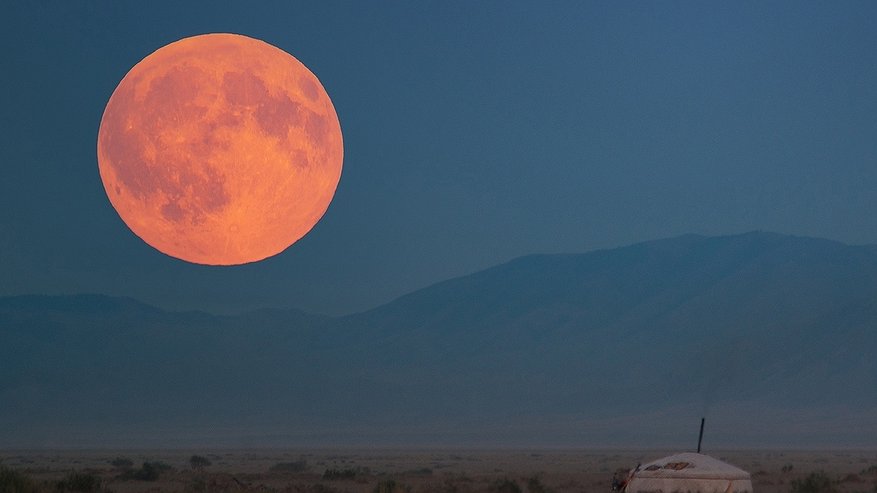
point(411, 470)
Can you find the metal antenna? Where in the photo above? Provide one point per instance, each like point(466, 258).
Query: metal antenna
point(700, 437)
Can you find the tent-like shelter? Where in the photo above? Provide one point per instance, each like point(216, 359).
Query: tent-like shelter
point(688, 473)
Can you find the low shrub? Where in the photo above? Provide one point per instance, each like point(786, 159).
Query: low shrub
point(149, 471)
point(13, 481)
point(80, 482)
point(450, 486)
point(321, 488)
point(817, 482)
point(390, 486)
point(297, 466)
point(122, 463)
point(535, 485)
point(199, 462)
point(340, 474)
point(196, 486)
point(505, 486)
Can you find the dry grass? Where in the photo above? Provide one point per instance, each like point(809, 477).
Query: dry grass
point(416, 471)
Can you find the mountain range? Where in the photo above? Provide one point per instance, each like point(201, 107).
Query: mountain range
point(771, 337)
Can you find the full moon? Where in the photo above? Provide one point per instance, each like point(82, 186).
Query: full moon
point(220, 149)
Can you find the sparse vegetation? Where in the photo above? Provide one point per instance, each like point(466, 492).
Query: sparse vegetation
point(293, 467)
point(817, 482)
point(149, 471)
point(283, 472)
point(199, 462)
point(787, 468)
point(852, 478)
point(452, 486)
point(198, 485)
point(79, 482)
point(390, 486)
point(13, 481)
point(321, 488)
point(342, 474)
point(122, 463)
point(535, 485)
point(505, 486)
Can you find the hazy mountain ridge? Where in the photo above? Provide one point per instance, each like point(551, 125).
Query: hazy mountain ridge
point(545, 346)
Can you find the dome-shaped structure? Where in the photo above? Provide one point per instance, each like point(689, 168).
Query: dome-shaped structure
point(688, 473)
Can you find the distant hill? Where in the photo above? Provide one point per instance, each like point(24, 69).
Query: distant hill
point(773, 337)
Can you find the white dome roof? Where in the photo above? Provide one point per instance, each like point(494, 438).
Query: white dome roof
point(689, 472)
point(690, 465)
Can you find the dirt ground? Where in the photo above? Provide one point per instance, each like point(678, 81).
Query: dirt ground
point(415, 471)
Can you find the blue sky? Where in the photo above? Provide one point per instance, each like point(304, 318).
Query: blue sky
point(475, 132)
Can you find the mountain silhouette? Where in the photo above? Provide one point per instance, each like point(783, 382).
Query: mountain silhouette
point(771, 336)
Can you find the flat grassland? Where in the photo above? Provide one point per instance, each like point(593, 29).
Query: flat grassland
point(414, 471)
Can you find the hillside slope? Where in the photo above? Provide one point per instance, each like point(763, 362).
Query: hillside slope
point(771, 336)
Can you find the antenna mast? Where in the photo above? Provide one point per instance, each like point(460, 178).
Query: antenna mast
point(700, 437)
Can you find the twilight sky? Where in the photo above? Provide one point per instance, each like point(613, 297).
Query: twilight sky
point(474, 132)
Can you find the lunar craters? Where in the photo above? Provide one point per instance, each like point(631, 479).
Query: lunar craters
point(276, 113)
point(220, 149)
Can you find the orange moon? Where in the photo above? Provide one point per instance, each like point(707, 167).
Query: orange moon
point(220, 149)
